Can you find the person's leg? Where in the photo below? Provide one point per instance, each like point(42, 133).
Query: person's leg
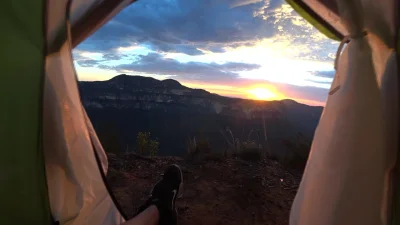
point(149, 216)
point(163, 197)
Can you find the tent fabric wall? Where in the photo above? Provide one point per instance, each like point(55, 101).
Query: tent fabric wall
point(77, 191)
point(23, 192)
point(339, 185)
point(98, 148)
point(347, 179)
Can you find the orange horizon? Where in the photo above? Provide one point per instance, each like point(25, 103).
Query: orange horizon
point(253, 90)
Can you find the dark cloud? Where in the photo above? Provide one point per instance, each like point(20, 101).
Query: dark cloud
point(113, 56)
point(87, 62)
point(154, 63)
point(327, 74)
point(186, 26)
point(183, 26)
point(321, 77)
point(101, 66)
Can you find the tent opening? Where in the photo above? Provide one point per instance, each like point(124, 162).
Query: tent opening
point(239, 90)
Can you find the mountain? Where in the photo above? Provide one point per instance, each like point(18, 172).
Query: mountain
point(121, 107)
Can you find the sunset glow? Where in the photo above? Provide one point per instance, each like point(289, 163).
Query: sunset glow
point(262, 94)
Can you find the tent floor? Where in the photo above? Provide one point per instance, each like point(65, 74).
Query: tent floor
point(217, 190)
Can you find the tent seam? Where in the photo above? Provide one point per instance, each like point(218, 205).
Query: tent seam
point(99, 167)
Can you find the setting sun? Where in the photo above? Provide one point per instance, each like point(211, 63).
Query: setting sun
point(262, 93)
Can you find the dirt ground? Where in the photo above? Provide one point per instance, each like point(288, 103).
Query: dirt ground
point(216, 191)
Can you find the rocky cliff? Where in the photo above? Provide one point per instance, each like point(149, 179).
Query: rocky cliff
point(173, 113)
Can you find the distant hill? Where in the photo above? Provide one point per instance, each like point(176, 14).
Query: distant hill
point(125, 105)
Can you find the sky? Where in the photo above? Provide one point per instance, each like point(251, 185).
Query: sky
point(256, 49)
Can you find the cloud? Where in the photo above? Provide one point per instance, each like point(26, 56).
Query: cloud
point(324, 78)
point(87, 62)
point(305, 93)
point(154, 63)
point(112, 56)
point(238, 3)
point(184, 26)
point(195, 26)
point(100, 60)
point(304, 39)
point(327, 74)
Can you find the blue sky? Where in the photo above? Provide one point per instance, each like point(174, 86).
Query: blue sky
point(238, 48)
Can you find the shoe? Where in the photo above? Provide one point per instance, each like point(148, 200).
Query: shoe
point(164, 194)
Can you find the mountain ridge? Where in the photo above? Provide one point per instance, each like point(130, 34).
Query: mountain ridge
point(173, 113)
point(176, 84)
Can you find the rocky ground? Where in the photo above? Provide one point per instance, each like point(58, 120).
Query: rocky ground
point(216, 190)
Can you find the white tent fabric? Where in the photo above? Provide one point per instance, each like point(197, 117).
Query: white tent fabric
point(77, 191)
point(347, 177)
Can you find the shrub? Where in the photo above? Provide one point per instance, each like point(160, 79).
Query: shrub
point(233, 143)
point(145, 145)
point(237, 146)
point(249, 150)
point(198, 148)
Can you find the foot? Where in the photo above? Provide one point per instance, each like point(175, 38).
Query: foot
point(164, 194)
